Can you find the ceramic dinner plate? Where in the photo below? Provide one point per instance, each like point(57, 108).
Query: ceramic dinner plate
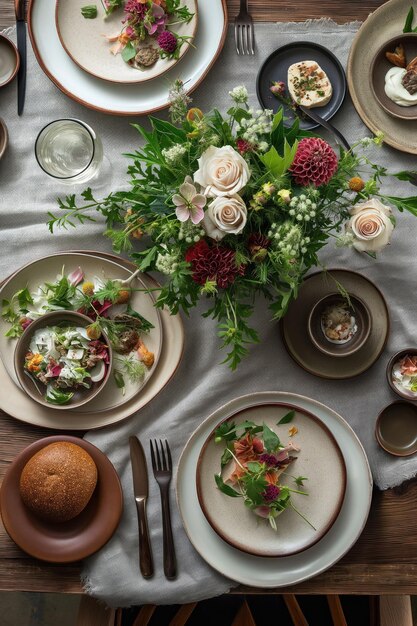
point(320, 460)
point(85, 42)
point(17, 404)
point(47, 269)
point(275, 68)
point(68, 541)
point(294, 326)
point(382, 25)
point(122, 99)
point(259, 571)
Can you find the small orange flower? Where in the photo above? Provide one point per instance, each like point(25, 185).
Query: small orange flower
point(292, 431)
point(356, 184)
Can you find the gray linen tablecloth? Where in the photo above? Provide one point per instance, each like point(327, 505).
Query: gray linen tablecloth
point(201, 383)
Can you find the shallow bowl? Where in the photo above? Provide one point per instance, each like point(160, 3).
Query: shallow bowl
point(317, 336)
point(9, 60)
point(396, 428)
point(403, 393)
point(4, 137)
point(36, 390)
point(380, 66)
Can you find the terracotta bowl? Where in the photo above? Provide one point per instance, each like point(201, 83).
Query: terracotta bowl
point(380, 66)
point(10, 61)
point(403, 393)
point(396, 428)
point(317, 336)
point(36, 390)
point(4, 137)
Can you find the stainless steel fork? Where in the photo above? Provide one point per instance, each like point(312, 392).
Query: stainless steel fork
point(244, 31)
point(162, 470)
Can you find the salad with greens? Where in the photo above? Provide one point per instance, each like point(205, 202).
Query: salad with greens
point(65, 359)
point(106, 302)
point(254, 464)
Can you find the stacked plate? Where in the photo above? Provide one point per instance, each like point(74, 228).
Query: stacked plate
point(165, 340)
point(230, 538)
point(73, 53)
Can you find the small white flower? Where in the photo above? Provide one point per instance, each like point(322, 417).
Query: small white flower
point(239, 94)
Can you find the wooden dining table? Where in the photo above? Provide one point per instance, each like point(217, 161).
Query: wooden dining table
point(383, 561)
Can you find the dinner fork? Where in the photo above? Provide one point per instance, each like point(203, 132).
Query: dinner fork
point(162, 470)
point(244, 32)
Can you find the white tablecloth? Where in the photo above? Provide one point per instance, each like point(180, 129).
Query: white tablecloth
point(201, 384)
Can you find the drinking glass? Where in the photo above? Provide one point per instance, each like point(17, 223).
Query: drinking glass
point(69, 150)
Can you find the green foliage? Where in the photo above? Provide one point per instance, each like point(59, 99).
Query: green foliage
point(169, 151)
point(287, 418)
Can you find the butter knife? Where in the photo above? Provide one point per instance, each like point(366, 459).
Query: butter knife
point(332, 129)
point(21, 46)
point(140, 488)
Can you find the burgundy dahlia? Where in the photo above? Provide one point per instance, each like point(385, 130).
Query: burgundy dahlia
point(271, 493)
point(213, 263)
point(167, 41)
point(315, 162)
point(269, 459)
point(244, 146)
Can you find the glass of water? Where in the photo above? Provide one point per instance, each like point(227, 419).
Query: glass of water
point(69, 150)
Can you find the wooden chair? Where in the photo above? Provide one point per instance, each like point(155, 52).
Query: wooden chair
point(385, 611)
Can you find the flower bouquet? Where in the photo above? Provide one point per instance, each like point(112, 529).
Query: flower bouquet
point(236, 205)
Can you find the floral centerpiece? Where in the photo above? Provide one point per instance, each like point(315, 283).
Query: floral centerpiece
point(229, 207)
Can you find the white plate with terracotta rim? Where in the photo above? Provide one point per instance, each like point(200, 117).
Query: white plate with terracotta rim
point(85, 42)
point(258, 571)
point(320, 460)
point(16, 403)
point(386, 22)
point(124, 99)
point(45, 270)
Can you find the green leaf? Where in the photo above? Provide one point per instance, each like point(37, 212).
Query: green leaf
point(271, 439)
point(226, 457)
point(409, 21)
point(277, 119)
point(300, 480)
point(159, 206)
point(408, 175)
point(287, 418)
point(128, 52)
point(89, 11)
point(226, 431)
point(229, 491)
point(409, 204)
point(254, 467)
point(254, 488)
point(168, 134)
point(118, 379)
point(24, 298)
point(148, 257)
point(56, 396)
point(145, 324)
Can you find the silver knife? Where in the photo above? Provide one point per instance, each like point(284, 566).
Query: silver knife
point(140, 488)
point(19, 6)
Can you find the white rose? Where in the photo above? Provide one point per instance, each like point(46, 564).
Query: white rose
point(370, 225)
point(225, 216)
point(222, 171)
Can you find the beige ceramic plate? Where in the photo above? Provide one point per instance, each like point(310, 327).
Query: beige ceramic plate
point(320, 460)
point(85, 42)
point(295, 334)
point(46, 270)
point(69, 541)
point(381, 26)
point(259, 571)
point(17, 404)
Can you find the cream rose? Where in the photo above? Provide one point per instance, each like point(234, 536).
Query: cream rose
point(225, 216)
point(222, 171)
point(370, 225)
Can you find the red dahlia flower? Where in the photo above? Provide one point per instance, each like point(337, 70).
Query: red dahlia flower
point(244, 146)
point(315, 162)
point(213, 263)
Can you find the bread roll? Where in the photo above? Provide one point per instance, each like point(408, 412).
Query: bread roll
point(58, 481)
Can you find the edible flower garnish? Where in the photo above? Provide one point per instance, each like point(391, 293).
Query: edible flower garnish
point(253, 464)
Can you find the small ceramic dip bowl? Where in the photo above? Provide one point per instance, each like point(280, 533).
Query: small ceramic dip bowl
point(380, 65)
point(396, 428)
point(39, 361)
point(4, 137)
point(401, 375)
point(9, 60)
point(339, 327)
